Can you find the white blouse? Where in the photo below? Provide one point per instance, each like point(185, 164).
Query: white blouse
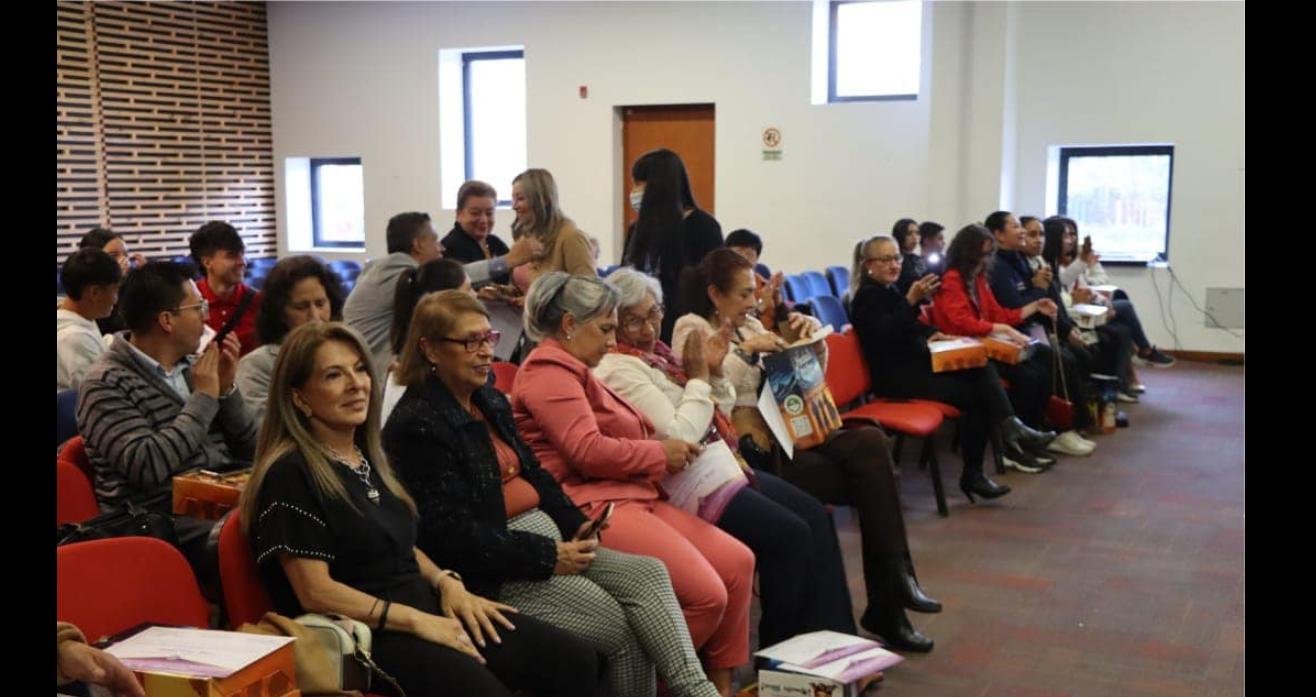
point(745, 377)
point(682, 413)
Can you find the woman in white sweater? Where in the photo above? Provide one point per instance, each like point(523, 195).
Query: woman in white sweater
point(853, 467)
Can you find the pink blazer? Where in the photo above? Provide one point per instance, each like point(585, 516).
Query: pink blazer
point(598, 446)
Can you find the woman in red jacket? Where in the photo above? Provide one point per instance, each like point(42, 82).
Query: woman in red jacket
point(965, 306)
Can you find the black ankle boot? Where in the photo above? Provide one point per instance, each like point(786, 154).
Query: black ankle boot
point(1016, 432)
point(978, 483)
point(894, 628)
point(907, 583)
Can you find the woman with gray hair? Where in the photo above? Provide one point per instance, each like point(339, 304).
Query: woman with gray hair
point(691, 398)
point(606, 452)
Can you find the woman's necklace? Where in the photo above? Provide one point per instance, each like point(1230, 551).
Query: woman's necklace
point(362, 472)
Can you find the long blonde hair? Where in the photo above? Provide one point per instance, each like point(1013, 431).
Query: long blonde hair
point(285, 429)
point(541, 193)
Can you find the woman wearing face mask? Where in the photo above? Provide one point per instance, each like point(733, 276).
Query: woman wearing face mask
point(603, 450)
point(895, 345)
point(471, 238)
point(672, 234)
point(540, 216)
point(689, 397)
point(489, 511)
point(853, 467)
point(298, 290)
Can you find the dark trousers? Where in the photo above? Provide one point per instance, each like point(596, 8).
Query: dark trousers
point(801, 576)
point(1127, 316)
point(1078, 364)
point(853, 467)
point(1114, 353)
point(1030, 385)
point(535, 657)
point(976, 392)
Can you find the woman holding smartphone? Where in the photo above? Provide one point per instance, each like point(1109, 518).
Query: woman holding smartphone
point(490, 512)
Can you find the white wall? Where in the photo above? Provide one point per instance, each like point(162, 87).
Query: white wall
point(361, 79)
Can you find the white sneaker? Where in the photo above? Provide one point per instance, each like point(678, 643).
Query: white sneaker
point(1070, 443)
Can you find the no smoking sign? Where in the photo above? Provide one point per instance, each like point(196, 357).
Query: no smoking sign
point(771, 143)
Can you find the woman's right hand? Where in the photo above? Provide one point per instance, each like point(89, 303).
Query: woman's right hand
point(574, 557)
point(446, 632)
point(1010, 333)
point(679, 453)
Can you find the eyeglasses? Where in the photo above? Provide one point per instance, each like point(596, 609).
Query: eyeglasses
point(473, 343)
point(895, 259)
point(203, 307)
point(654, 319)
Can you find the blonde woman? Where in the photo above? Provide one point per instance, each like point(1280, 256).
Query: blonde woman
point(335, 532)
point(539, 215)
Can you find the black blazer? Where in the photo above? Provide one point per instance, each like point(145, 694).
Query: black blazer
point(889, 330)
point(459, 245)
point(447, 461)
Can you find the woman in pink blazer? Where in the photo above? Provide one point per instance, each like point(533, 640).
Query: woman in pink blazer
point(603, 450)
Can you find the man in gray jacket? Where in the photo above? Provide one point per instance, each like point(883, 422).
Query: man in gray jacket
point(412, 241)
point(148, 409)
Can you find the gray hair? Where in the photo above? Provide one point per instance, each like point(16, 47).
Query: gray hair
point(553, 295)
point(634, 285)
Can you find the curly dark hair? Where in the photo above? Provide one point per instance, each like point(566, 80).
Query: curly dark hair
point(271, 326)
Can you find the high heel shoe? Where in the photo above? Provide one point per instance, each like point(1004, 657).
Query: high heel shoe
point(907, 585)
point(894, 628)
point(982, 486)
point(1016, 432)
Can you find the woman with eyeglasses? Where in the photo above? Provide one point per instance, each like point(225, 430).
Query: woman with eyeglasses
point(852, 467)
point(489, 511)
point(689, 397)
point(895, 346)
point(334, 531)
point(605, 451)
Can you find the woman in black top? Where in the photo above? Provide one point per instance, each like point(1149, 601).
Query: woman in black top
point(335, 532)
point(895, 346)
point(912, 266)
point(671, 234)
point(471, 238)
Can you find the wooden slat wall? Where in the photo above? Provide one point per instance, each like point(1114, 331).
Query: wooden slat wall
point(164, 123)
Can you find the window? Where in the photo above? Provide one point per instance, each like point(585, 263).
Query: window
point(495, 118)
point(874, 50)
point(482, 124)
point(1120, 195)
point(337, 203)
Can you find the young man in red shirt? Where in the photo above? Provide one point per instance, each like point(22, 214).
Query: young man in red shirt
point(218, 250)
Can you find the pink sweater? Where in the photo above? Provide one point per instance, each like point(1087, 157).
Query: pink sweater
point(598, 446)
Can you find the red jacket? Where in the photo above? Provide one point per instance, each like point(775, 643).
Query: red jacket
point(598, 446)
point(954, 312)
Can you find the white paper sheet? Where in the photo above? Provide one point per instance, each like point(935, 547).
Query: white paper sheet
point(715, 467)
point(806, 648)
point(218, 654)
point(506, 319)
point(772, 415)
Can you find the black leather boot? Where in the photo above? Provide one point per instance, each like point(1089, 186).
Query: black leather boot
point(1016, 432)
point(907, 582)
point(978, 483)
point(894, 628)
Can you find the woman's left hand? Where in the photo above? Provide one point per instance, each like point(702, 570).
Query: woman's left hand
point(477, 613)
point(804, 326)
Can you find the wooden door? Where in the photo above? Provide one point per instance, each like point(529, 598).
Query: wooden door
point(686, 129)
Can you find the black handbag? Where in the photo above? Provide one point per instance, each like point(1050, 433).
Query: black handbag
point(134, 519)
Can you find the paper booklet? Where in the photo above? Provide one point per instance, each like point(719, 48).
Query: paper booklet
point(708, 484)
point(797, 391)
point(840, 657)
point(195, 652)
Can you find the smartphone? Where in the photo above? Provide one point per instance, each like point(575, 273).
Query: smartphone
point(597, 523)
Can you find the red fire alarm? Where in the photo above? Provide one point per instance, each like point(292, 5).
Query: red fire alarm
point(584, 92)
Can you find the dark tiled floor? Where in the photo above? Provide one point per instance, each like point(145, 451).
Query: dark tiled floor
point(1118, 574)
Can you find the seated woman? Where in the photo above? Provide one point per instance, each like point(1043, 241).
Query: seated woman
point(895, 345)
point(413, 284)
point(691, 399)
point(965, 306)
point(1081, 268)
point(335, 532)
point(912, 266)
point(603, 450)
point(490, 512)
point(852, 467)
point(471, 238)
point(298, 290)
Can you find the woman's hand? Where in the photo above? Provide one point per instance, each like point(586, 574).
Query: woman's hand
point(1010, 333)
point(79, 661)
point(716, 348)
point(925, 287)
point(764, 343)
point(694, 357)
point(802, 325)
point(444, 631)
point(477, 613)
point(1083, 294)
point(679, 453)
point(574, 557)
point(939, 336)
point(1046, 306)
